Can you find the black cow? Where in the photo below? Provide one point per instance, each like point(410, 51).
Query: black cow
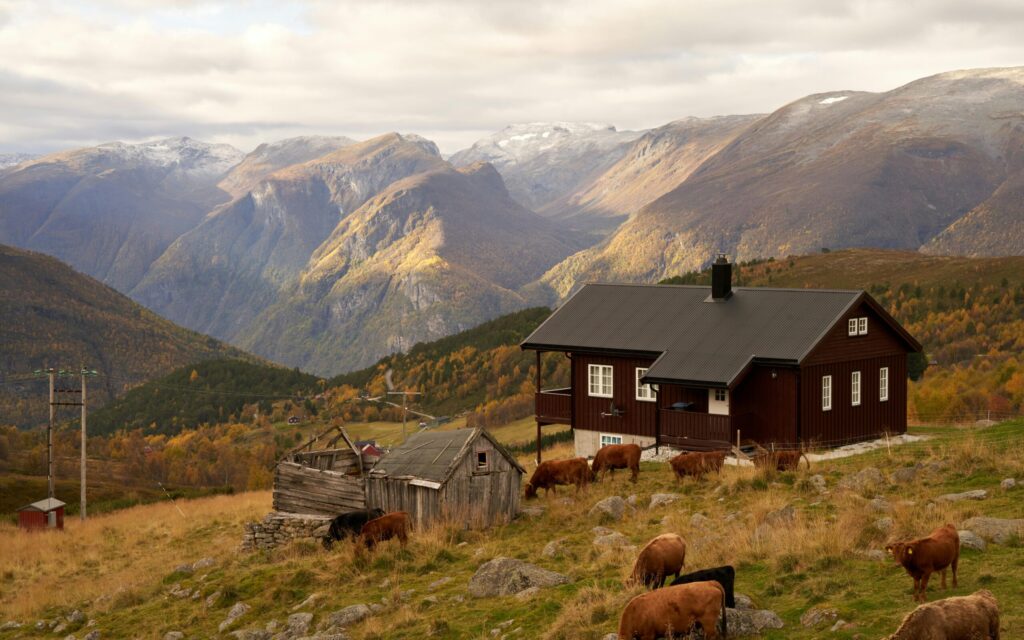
point(724, 576)
point(349, 524)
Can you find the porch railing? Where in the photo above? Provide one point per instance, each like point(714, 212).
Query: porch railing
point(554, 406)
point(693, 430)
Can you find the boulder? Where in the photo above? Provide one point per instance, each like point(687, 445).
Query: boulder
point(879, 505)
point(601, 531)
point(818, 482)
point(348, 616)
point(751, 622)
point(174, 635)
point(554, 548)
point(884, 525)
point(212, 598)
point(298, 623)
point(613, 507)
point(662, 499)
point(818, 616)
point(906, 475)
point(236, 612)
point(782, 516)
point(185, 569)
point(699, 521)
point(971, 540)
point(10, 625)
point(437, 584)
point(743, 601)
point(508, 576)
point(976, 494)
point(632, 501)
point(864, 480)
point(614, 540)
point(998, 530)
point(532, 511)
point(76, 617)
point(1007, 484)
point(203, 563)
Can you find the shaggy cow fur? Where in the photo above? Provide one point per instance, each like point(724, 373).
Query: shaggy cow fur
point(349, 524)
point(618, 456)
point(551, 473)
point(924, 556)
point(393, 525)
point(663, 556)
point(674, 610)
point(697, 464)
point(725, 576)
point(973, 617)
point(782, 460)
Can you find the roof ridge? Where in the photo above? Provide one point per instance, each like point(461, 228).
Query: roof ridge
point(703, 286)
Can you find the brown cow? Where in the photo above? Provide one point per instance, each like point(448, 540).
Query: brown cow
point(781, 460)
point(551, 473)
point(664, 555)
point(392, 525)
point(674, 610)
point(973, 617)
point(924, 556)
point(618, 456)
point(697, 464)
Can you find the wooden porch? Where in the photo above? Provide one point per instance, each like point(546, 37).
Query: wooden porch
point(695, 431)
point(554, 406)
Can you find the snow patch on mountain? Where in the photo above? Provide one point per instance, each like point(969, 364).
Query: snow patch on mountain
point(519, 143)
point(183, 154)
point(833, 100)
point(11, 159)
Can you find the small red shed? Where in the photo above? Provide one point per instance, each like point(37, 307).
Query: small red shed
point(45, 514)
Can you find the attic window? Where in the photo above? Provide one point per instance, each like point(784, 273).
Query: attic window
point(857, 327)
point(482, 461)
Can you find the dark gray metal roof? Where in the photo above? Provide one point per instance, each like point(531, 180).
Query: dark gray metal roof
point(432, 455)
point(710, 343)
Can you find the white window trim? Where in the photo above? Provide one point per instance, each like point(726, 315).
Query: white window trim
point(855, 389)
point(644, 392)
point(851, 327)
point(600, 369)
point(862, 326)
point(826, 393)
point(612, 438)
point(883, 384)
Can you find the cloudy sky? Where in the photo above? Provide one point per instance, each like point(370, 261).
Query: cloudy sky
point(80, 73)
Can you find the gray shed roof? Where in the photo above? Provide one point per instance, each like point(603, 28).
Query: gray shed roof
point(692, 339)
point(432, 455)
point(45, 505)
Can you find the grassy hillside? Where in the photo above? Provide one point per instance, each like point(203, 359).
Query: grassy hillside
point(54, 316)
point(119, 568)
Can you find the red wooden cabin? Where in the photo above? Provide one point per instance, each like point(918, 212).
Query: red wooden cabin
point(696, 367)
point(44, 514)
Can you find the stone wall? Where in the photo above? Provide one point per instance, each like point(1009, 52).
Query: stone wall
point(278, 528)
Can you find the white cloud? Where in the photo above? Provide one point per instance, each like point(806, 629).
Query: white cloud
point(245, 72)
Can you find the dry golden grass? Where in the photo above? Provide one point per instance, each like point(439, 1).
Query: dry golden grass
point(110, 556)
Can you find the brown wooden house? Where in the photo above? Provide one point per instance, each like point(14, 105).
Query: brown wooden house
point(699, 367)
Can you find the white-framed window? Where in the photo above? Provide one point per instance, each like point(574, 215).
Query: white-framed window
point(851, 327)
point(826, 393)
point(862, 326)
point(721, 395)
point(600, 380)
point(607, 438)
point(855, 388)
point(643, 391)
point(883, 384)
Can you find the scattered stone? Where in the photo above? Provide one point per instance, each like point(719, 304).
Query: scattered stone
point(437, 584)
point(732, 517)
point(863, 480)
point(70, 637)
point(906, 475)
point(614, 540)
point(203, 563)
point(458, 598)
point(998, 530)
point(385, 583)
point(308, 602)
point(75, 617)
point(185, 569)
point(884, 525)
point(838, 626)
point(178, 591)
point(236, 612)
point(816, 616)
point(554, 548)
point(526, 594)
point(507, 576)
point(601, 531)
point(533, 511)
point(212, 598)
point(298, 623)
point(782, 516)
point(349, 615)
point(10, 625)
point(699, 521)
point(405, 595)
point(1007, 484)
point(971, 540)
point(273, 626)
point(976, 494)
point(376, 608)
point(662, 499)
point(743, 601)
point(613, 507)
point(60, 628)
point(279, 528)
point(250, 634)
point(880, 505)
point(750, 622)
point(631, 500)
point(462, 544)
point(174, 635)
point(818, 482)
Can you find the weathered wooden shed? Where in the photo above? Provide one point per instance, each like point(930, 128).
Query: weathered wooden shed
point(326, 481)
point(44, 514)
point(463, 475)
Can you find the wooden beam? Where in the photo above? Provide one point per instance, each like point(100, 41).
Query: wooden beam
point(538, 442)
point(538, 375)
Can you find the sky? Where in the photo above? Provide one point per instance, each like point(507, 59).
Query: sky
point(76, 74)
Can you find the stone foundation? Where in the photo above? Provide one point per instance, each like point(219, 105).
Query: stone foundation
point(588, 442)
point(278, 528)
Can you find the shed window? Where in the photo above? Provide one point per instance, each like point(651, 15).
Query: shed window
point(855, 388)
point(883, 384)
point(826, 393)
point(600, 380)
point(482, 461)
point(607, 438)
point(643, 391)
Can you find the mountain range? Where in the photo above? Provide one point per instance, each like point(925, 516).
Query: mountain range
point(327, 253)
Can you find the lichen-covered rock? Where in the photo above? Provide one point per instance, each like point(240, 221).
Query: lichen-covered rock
point(174, 635)
point(298, 623)
point(864, 480)
point(699, 521)
point(348, 616)
point(818, 482)
point(818, 616)
point(971, 540)
point(613, 507)
point(437, 584)
point(743, 601)
point(906, 475)
point(10, 625)
point(554, 548)
point(662, 499)
point(532, 511)
point(751, 622)
point(884, 525)
point(998, 530)
point(880, 505)
point(975, 494)
point(508, 576)
point(1007, 484)
point(614, 540)
point(236, 612)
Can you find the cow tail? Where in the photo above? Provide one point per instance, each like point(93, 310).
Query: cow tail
point(806, 459)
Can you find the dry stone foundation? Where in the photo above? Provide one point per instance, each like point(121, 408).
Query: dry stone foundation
point(278, 528)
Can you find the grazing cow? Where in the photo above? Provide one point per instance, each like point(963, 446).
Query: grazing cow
point(393, 525)
point(349, 524)
point(782, 460)
point(674, 611)
point(618, 456)
point(551, 473)
point(662, 556)
point(725, 576)
point(924, 556)
point(697, 464)
point(973, 617)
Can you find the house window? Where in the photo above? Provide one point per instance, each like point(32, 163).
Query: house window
point(721, 395)
point(862, 326)
point(851, 327)
point(482, 463)
point(855, 388)
point(883, 384)
point(826, 393)
point(600, 380)
point(643, 391)
point(607, 438)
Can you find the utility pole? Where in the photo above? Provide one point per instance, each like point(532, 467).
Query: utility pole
point(81, 502)
point(56, 402)
point(405, 405)
point(49, 440)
